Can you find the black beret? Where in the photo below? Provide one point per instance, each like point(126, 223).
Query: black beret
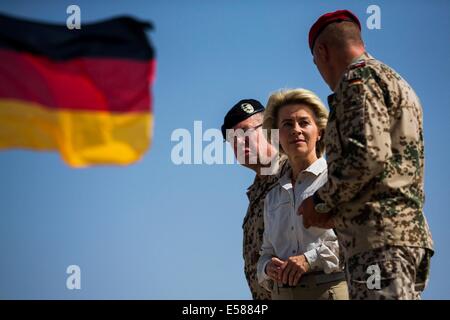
point(242, 110)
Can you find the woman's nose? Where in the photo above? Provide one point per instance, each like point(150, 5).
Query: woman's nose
point(296, 129)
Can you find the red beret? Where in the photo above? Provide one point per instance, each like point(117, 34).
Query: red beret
point(326, 19)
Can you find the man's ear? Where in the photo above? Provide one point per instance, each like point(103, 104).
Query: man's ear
point(323, 52)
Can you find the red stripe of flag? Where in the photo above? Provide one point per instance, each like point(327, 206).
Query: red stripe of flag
point(84, 83)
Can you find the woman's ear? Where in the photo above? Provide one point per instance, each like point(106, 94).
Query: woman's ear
point(320, 135)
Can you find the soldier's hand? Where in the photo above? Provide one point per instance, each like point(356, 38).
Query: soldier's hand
point(308, 212)
point(275, 268)
point(311, 218)
point(295, 267)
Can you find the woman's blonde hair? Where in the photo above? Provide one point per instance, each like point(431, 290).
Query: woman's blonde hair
point(286, 97)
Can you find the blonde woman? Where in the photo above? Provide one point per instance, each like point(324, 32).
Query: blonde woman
point(303, 263)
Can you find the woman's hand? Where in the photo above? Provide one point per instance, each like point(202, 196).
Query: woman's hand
point(293, 269)
point(274, 268)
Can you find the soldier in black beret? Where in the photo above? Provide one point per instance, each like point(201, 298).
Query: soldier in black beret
point(242, 129)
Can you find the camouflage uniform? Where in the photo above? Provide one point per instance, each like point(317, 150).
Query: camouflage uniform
point(402, 273)
point(253, 227)
point(375, 156)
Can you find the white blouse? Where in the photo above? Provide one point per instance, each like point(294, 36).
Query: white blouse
point(284, 233)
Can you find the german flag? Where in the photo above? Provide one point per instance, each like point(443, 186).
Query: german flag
point(83, 92)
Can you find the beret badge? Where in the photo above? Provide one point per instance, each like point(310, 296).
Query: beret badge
point(247, 107)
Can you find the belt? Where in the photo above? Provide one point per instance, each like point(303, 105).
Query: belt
point(318, 277)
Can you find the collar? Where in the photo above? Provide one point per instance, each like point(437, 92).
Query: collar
point(363, 57)
point(316, 168)
point(280, 167)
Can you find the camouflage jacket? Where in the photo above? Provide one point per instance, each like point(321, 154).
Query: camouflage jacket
point(253, 227)
point(375, 155)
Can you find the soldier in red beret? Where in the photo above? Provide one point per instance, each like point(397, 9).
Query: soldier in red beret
point(375, 155)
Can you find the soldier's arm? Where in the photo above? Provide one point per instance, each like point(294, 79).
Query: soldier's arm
point(364, 136)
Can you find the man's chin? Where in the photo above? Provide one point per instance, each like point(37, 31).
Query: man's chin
point(251, 161)
point(248, 161)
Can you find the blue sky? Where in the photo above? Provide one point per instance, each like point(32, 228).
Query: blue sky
point(154, 230)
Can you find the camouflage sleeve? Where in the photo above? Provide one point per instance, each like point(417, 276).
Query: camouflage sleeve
point(362, 142)
point(266, 254)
